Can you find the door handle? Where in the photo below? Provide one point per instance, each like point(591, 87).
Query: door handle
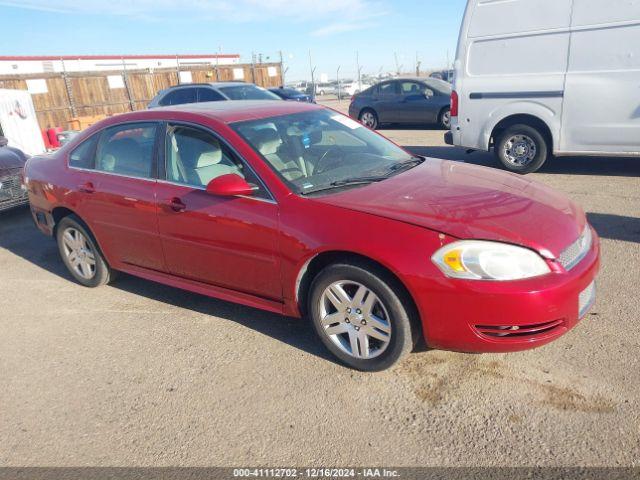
point(87, 188)
point(177, 205)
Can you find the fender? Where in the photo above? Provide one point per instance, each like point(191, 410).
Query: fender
point(535, 109)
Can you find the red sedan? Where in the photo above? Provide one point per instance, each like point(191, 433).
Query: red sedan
point(296, 209)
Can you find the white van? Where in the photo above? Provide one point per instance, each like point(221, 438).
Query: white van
point(535, 77)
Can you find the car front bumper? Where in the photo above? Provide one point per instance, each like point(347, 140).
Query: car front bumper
point(12, 192)
point(486, 317)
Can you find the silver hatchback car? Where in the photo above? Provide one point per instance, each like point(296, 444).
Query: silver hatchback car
point(210, 92)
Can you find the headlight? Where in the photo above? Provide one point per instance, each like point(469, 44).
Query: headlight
point(479, 260)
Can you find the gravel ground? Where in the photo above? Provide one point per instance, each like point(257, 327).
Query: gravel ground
point(138, 374)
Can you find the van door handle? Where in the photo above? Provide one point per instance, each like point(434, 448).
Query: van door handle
point(87, 188)
point(177, 205)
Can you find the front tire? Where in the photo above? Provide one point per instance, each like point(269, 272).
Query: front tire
point(369, 118)
point(80, 253)
point(363, 318)
point(522, 149)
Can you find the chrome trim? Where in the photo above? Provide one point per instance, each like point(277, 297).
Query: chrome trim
point(578, 250)
point(111, 174)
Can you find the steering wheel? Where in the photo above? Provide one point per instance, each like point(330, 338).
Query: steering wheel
point(320, 164)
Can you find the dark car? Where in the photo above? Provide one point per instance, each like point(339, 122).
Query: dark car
point(12, 161)
point(210, 92)
point(405, 101)
point(292, 95)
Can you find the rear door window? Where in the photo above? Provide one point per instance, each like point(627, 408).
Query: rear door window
point(179, 97)
point(209, 95)
point(84, 155)
point(127, 150)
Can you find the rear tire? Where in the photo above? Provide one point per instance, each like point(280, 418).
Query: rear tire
point(80, 253)
point(522, 149)
point(369, 315)
point(445, 119)
point(369, 118)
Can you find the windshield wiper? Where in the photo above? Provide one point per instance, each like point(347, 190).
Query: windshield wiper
point(347, 182)
point(407, 164)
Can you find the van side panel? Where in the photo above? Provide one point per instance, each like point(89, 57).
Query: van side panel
point(503, 17)
point(512, 60)
point(602, 93)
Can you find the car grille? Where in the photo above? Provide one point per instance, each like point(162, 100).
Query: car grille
point(577, 250)
point(11, 192)
point(506, 331)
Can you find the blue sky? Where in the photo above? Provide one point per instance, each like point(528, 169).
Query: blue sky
point(332, 29)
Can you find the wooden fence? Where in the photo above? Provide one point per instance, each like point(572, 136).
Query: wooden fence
point(83, 94)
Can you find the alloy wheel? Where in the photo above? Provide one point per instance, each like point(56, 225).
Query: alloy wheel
point(79, 253)
point(355, 320)
point(368, 119)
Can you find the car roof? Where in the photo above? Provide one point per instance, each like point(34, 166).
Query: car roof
point(240, 110)
point(207, 84)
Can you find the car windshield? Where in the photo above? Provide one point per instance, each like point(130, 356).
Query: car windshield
point(322, 150)
point(248, 92)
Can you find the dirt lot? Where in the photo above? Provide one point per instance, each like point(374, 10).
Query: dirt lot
point(137, 374)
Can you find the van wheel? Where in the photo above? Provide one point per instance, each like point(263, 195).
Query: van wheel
point(522, 149)
point(362, 318)
point(81, 255)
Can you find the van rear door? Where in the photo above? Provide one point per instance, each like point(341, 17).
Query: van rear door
point(602, 92)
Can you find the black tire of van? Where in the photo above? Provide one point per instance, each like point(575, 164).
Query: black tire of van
point(529, 135)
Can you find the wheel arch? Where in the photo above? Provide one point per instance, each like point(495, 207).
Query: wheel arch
point(524, 119)
point(60, 213)
point(313, 266)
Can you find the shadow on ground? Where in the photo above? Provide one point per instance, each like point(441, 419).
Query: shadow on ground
point(616, 227)
point(604, 166)
point(19, 236)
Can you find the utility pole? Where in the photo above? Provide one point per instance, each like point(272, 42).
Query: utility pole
point(313, 76)
point(125, 78)
point(178, 69)
point(359, 70)
point(398, 66)
point(418, 64)
point(339, 84)
point(282, 72)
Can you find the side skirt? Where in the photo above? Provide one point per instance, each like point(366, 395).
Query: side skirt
point(204, 289)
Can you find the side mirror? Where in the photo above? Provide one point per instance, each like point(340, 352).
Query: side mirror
point(230, 185)
point(428, 94)
point(3, 141)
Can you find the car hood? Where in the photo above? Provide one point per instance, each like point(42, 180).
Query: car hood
point(10, 159)
point(472, 202)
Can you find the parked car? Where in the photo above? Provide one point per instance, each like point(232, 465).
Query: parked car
point(573, 90)
point(323, 89)
point(12, 192)
point(406, 101)
point(446, 75)
point(210, 92)
point(291, 94)
point(352, 88)
point(294, 208)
